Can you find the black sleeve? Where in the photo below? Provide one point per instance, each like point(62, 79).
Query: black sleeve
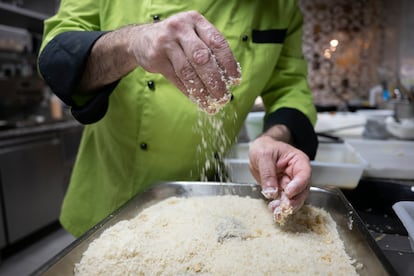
point(61, 65)
point(302, 131)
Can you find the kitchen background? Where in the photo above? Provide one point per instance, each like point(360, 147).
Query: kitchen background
point(351, 46)
point(354, 48)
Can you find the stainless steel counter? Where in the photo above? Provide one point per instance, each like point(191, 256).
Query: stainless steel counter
point(373, 200)
point(35, 166)
point(37, 128)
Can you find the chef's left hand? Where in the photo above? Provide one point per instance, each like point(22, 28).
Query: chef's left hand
point(282, 170)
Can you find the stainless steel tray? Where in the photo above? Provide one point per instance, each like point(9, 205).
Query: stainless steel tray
point(358, 242)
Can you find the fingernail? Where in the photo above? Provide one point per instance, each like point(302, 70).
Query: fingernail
point(277, 211)
point(269, 192)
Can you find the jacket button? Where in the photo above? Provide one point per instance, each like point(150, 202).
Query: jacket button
point(245, 37)
point(156, 17)
point(144, 146)
point(231, 97)
point(151, 85)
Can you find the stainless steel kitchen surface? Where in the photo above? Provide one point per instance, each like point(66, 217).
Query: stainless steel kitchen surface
point(373, 200)
point(36, 253)
point(357, 241)
point(31, 200)
point(35, 165)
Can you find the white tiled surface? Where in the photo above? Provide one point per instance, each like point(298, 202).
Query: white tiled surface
point(31, 258)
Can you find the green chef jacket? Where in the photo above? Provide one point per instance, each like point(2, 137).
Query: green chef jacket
point(141, 129)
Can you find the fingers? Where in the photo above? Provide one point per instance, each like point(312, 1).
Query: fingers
point(212, 91)
point(283, 173)
point(298, 201)
point(268, 176)
point(283, 207)
point(263, 159)
point(220, 49)
point(169, 73)
point(200, 75)
point(293, 194)
point(203, 66)
point(270, 192)
point(296, 186)
point(185, 77)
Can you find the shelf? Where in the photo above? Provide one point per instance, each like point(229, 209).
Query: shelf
point(22, 18)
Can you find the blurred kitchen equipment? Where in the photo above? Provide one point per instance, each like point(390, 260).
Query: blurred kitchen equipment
point(402, 129)
point(56, 108)
point(20, 97)
point(21, 89)
point(375, 126)
point(15, 39)
point(375, 129)
point(14, 2)
point(327, 138)
point(401, 125)
point(254, 124)
point(405, 212)
point(392, 159)
point(402, 93)
point(403, 109)
point(342, 124)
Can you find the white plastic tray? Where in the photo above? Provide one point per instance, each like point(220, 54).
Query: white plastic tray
point(335, 165)
point(343, 124)
point(405, 212)
point(386, 158)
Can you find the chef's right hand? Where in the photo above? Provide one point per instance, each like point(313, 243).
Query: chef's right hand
point(191, 53)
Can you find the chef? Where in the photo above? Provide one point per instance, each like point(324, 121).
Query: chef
point(163, 88)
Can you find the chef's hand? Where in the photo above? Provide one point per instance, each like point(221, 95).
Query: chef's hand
point(283, 172)
point(191, 53)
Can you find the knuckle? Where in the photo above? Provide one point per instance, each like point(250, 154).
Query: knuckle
point(218, 41)
point(175, 24)
point(201, 56)
point(194, 15)
point(265, 153)
point(162, 38)
point(187, 73)
point(267, 171)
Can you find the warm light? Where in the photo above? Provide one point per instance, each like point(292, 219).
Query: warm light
point(327, 54)
point(334, 42)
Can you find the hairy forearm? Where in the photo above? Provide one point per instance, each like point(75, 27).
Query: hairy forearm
point(110, 59)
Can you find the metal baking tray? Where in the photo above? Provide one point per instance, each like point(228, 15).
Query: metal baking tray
point(358, 242)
